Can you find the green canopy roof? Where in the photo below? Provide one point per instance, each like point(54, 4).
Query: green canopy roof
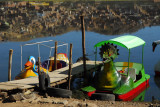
point(127, 41)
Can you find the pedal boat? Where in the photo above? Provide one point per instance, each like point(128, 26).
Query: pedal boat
point(31, 68)
point(157, 66)
point(124, 80)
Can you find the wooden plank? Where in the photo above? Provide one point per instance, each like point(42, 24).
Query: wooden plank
point(7, 87)
point(59, 76)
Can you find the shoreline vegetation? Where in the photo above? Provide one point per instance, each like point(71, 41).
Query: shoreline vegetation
point(25, 20)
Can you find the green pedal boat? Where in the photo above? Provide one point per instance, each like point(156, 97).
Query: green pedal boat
point(123, 80)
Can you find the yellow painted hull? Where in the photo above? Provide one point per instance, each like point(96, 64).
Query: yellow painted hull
point(28, 73)
point(31, 69)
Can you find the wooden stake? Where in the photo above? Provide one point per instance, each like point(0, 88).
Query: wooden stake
point(39, 64)
point(83, 45)
point(55, 56)
point(10, 64)
point(70, 67)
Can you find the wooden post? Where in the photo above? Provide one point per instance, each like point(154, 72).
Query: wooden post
point(10, 64)
point(55, 56)
point(39, 64)
point(83, 45)
point(70, 67)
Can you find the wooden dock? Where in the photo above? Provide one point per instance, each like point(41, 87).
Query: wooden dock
point(57, 77)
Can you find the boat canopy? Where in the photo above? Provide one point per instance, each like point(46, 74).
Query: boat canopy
point(127, 41)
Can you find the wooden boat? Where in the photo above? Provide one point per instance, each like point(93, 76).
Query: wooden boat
point(123, 80)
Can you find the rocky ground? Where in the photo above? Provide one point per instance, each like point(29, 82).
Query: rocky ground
point(69, 102)
point(36, 100)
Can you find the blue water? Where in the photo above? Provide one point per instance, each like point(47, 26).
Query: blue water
point(148, 34)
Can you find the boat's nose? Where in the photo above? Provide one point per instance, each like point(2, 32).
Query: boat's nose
point(153, 46)
point(28, 64)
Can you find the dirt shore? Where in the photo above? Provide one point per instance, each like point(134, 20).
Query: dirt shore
point(70, 102)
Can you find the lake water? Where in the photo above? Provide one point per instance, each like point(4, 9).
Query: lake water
point(148, 34)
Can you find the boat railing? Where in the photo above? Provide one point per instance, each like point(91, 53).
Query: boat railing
point(41, 43)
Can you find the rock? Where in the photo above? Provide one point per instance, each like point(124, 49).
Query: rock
point(82, 105)
point(22, 96)
point(45, 95)
point(151, 105)
point(84, 99)
point(27, 92)
point(3, 95)
point(113, 102)
point(87, 105)
point(24, 101)
point(30, 96)
point(27, 101)
point(73, 104)
point(37, 100)
point(91, 105)
point(16, 97)
point(64, 102)
point(45, 100)
point(17, 101)
point(55, 101)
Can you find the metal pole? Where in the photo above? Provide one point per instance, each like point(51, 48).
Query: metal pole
point(83, 45)
point(95, 59)
point(142, 55)
point(70, 67)
point(128, 62)
point(10, 64)
point(96, 56)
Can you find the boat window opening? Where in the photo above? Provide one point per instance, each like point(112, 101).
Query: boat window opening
point(138, 77)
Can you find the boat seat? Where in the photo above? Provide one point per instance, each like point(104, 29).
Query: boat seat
point(59, 65)
point(132, 73)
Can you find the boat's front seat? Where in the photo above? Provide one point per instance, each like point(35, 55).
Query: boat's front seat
point(132, 73)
